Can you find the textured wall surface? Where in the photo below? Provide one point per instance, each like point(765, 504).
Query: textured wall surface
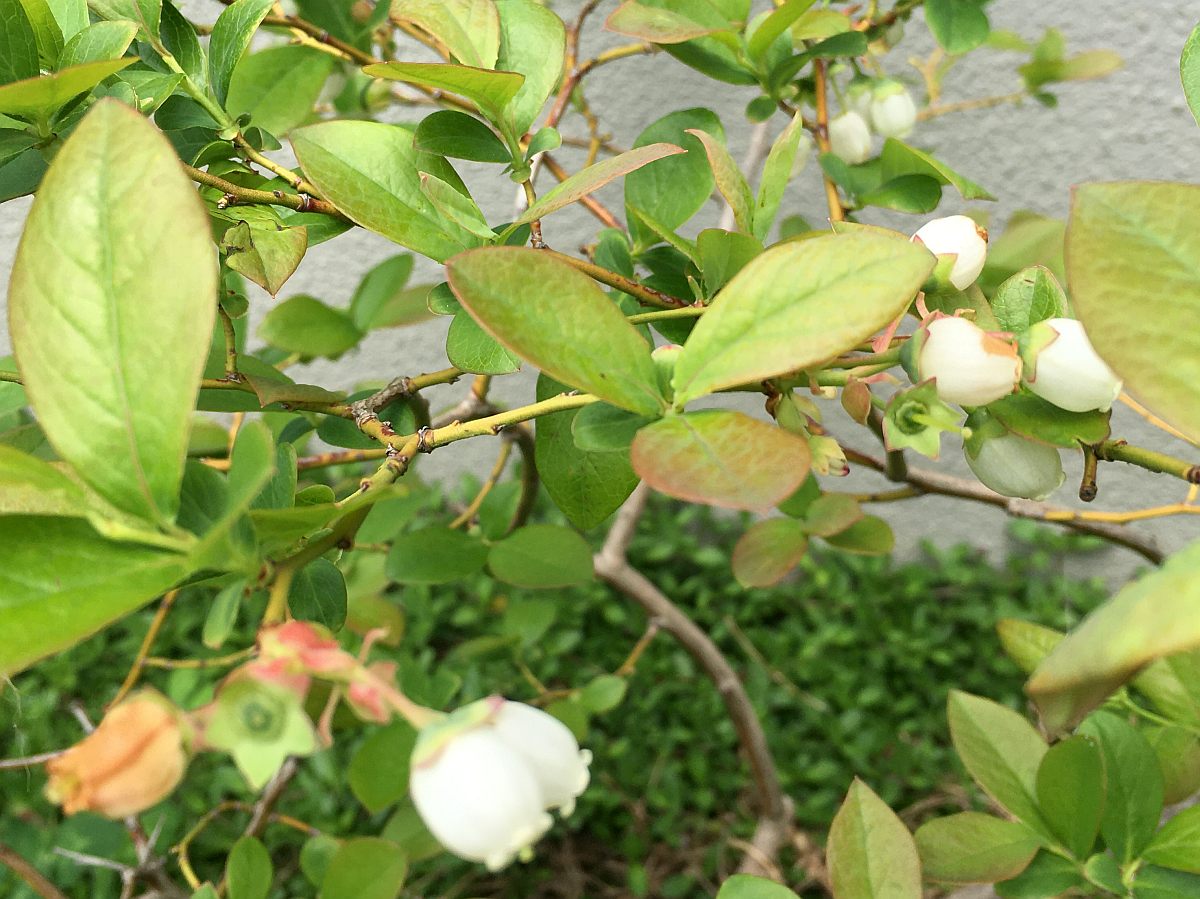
point(1133, 124)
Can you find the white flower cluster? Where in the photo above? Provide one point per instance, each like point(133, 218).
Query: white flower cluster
point(882, 104)
point(969, 367)
point(484, 778)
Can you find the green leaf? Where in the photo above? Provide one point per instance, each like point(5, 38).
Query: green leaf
point(370, 171)
point(147, 13)
point(604, 693)
point(541, 556)
point(1189, 72)
point(456, 207)
point(1177, 844)
point(533, 43)
point(318, 593)
point(832, 513)
point(777, 169)
point(745, 886)
point(303, 324)
point(657, 25)
point(378, 773)
point(98, 43)
point(1150, 617)
point(1048, 875)
point(29, 486)
point(871, 536)
point(1132, 248)
point(380, 300)
point(573, 333)
point(120, 347)
point(71, 15)
point(1080, 67)
point(1000, 750)
point(267, 256)
point(18, 43)
point(1178, 751)
point(248, 870)
point(898, 158)
point(48, 35)
point(452, 133)
point(490, 90)
point(1160, 883)
point(768, 551)
point(587, 487)
point(722, 458)
point(971, 847)
point(470, 29)
point(958, 25)
point(674, 189)
point(222, 614)
point(729, 180)
point(780, 20)
point(365, 868)
point(722, 254)
point(906, 193)
point(1026, 643)
point(1070, 793)
point(315, 856)
point(181, 41)
point(593, 178)
point(799, 304)
point(37, 98)
point(1030, 296)
point(871, 854)
point(231, 36)
point(472, 349)
point(1032, 416)
point(1133, 798)
point(601, 428)
point(279, 86)
point(434, 555)
point(52, 600)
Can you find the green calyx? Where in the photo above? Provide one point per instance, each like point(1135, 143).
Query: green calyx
point(433, 738)
point(260, 725)
point(915, 419)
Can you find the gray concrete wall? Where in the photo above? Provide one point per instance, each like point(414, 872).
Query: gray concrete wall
point(1133, 124)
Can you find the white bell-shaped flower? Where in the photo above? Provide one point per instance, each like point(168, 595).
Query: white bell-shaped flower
point(893, 112)
point(1013, 465)
point(549, 747)
point(1065, 370)
point(850, 138)
point(484, 778)
point(961, 236)
point(969, 366)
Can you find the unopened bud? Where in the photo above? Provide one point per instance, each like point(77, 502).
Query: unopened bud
point(850, 138)
point(960, 236)
point(969, 366)
point(1010, 464)
point(1062, 368)
point(132, 761)
point(893, 113)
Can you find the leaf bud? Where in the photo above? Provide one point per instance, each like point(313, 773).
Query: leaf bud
point(1008, 463)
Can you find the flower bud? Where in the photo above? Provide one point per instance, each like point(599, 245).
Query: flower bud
point(483, 778)
point(893, 113)
point(664, 358)
point(850, 138)
point(969, 366)
point(859, 95)
point(132, 761)
point(1010, 464)
point(1063, 369)
point(960, 236)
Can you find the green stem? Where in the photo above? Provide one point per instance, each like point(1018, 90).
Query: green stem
point(1161, 463)
point(666, 314)
point(647, 295)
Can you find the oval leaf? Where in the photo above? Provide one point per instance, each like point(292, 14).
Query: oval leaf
point(871, 854)
point(1132, 249)
point(799, 304)
point(542, 555)
point(971, 847)
point(721, 458)
point(768, 551)
point(489, 90)
point(573, 332)
point(1151, 617)
point(365, 868)
point(111, 304)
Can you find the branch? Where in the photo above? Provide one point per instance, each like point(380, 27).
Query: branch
point(948, 485)
point(31, 875)
point(236, 194)
point(612, 566)
point(837, 212)
point(647, 295)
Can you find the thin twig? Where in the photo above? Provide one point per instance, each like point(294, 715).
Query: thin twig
point(28, 873)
